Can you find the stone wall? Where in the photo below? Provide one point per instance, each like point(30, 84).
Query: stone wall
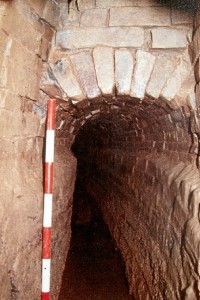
point(26, 32)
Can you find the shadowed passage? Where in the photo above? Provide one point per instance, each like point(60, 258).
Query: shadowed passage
point(94, 268)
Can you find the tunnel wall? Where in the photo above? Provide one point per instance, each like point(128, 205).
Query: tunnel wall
point(150, 202)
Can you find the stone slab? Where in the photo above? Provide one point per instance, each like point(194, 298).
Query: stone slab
point(169, 38)
point(66, 78)
point(140, 16)
point(163, 67)
point(83, 63)
point(175, 81)
point(123, 70)
point(119, 3)
point(86, 4)
point(104, 66)
point(94, 18)
point(16, 25)
point(92, 37)
point(144, 66)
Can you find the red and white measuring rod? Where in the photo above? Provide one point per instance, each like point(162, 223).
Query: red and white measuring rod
point(48, 197)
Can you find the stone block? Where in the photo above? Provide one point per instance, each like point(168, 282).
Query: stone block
point(66, 78)
point(86, 4)
point(94, 18)
point(5, 44)
point(163, 67)
point(140, 16)
point(143, 68)
point(181, 17)
point(68, 17)
point(169, 38)
point(19, 66)
point(50, 87)
point(196, 43)
point(83, 63)
point(123, 70)
point(17, 26)
point(91, 37)
point(104, 66)
point(115, 3)
point(37, 5)
point(176, 79)
point(51, 13)
point(197, 70)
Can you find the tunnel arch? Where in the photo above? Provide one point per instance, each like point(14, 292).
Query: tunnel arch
point(143, 148)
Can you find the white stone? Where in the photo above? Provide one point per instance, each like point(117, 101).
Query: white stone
point(94, 18)
point(144, 66)
point(176, 79)
point(163, 67)
point(91, 37)
point(104, 66)
point(66, 78)
point(87, 76)
point(140, 16)
point(169, 38)
point(115, 3)
point(123, 70)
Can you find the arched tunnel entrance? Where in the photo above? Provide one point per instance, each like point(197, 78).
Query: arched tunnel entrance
point(134, 163)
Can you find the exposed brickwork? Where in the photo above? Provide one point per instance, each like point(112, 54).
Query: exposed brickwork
point(142, 178)
point(121, 71)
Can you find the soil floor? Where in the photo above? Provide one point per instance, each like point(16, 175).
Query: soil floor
point(94, 269)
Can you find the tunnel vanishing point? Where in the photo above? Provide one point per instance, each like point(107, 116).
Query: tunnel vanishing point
point(126, 75)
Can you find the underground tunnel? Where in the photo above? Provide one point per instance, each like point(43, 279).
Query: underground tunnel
point(129, 168)
point(126, 189)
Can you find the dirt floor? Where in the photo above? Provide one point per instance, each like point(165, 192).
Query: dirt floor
point(94, 269)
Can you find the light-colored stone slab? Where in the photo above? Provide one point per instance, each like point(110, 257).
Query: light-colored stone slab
point(144, 66)
point(169, 38)
point(175, 81)
point(163, 67)
point(140, 16)
point(181, 17)
point(94, 18)
point(85, 69)
point(68, 17)
point(91, 37)
point(104, 66)
point(123, 70)
point(119, 3)
point(86, 4)
point(66, 78)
